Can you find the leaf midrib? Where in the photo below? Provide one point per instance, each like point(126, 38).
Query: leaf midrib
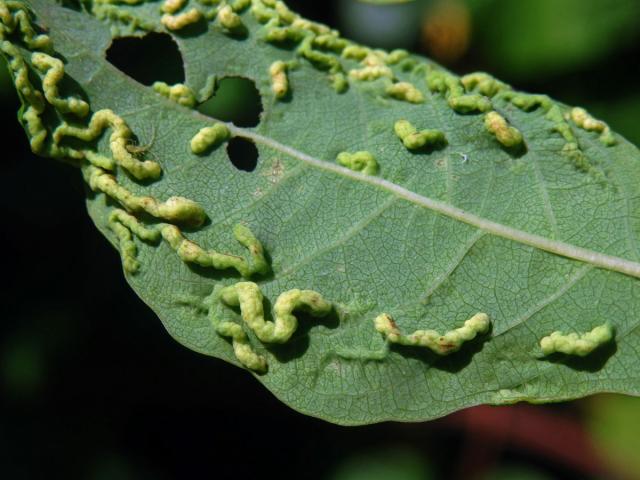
point(597, 259)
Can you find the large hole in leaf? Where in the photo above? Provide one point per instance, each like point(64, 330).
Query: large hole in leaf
point(154, 57)
point(236, 100)
point(243, 154)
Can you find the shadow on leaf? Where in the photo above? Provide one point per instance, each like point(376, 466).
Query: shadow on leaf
point(592, 363)
point(298, 344)
point(452, 363)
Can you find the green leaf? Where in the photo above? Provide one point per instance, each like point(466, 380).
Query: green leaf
point(496, 216)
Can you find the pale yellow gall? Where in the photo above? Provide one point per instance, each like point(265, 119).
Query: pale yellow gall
point(279, 80)
point(497, 125)
point(444, 344)
point(172, 6)
point(363, 162)
point(414, 139)
point(208, 137)
point(405, 91)
point(575, 343)
point(181, 20)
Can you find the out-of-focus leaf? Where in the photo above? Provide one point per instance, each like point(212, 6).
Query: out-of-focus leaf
point(539, 37)
point(613, 422)
point(389, 463)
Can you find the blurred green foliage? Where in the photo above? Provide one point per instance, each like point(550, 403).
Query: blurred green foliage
point(549, 37)
point(613, 422)
point(22, 367)
point(397, 463)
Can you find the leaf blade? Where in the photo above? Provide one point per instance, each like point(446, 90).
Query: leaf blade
point(360, 239)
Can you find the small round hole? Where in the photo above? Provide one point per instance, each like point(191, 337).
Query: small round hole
point(243, 154)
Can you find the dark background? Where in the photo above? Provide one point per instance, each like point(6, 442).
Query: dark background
point(93, 387)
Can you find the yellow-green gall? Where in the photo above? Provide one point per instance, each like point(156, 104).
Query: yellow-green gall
point(443, 82)
point(248, 297)
point(374, 67)
point(497, 125)
point(483, 83)
point(124, 225)
point(180, 21)
point(585, 121)
point(339, 82)
point(560, 125)
point(179, 93)
point(445, 344)
point(448, 84)
point(240, 5)
point(526, 101)
point(241, 346)
point(355, 52)
point(306, 300)
point(404, 128)
point(35, 128)
point(320, 60)
point(285, 15)
point(172, 6)
point(470, 103)
point(118, 142)
point(396, 56)
point(175, 209)
point(21, 76)
point(312, 27)
point(53, 68)
point(263, 14)
point(363, 162)
point(98, 160)
point(371, 73)
point(208, 137)
point(14, 15)
point(34, 100)
point(128, 248)
point(385, 324)
point(123, 21)
point(405, 91)
point(257, 261)
point(229, 19)
point(414, 139)
point(284, 35)
point(330, 41)
point(279, 80)
point(577, 344)
point(190, 252)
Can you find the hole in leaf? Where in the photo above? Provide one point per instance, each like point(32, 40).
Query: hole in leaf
point(243, 154)
point(237, 100)
point(152, 58)
point(71, 4)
